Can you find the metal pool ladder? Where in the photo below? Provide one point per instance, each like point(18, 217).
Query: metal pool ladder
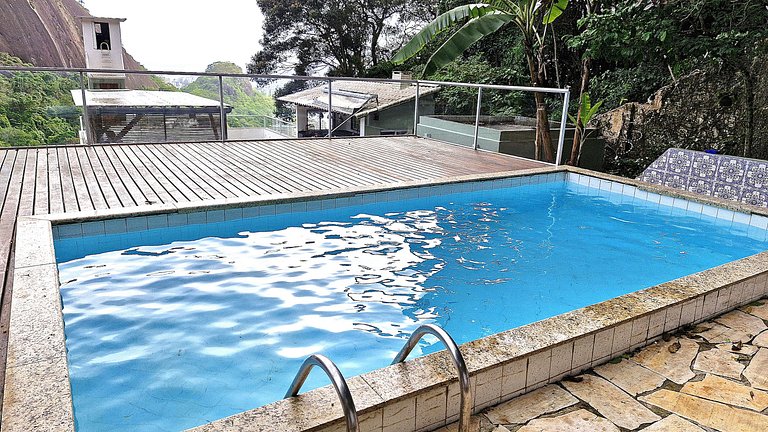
point(339, 383)
point(465, 411)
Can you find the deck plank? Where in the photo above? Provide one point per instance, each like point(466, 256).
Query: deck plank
point(292, 171)
point(55, 193)
point(147, 174)
point(11, 205)
point(41, 187)
point(320, 171)
point(85, 199)
point(28, 185)
point(6, 174)
point(99, 190)
point(141, 190)
point(113, 194)
point(120, 196)
point(256, 170)
point(226, 162)
point(69, 197)
point(214, 182)
point(179, 176)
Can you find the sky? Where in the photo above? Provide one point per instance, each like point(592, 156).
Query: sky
point(183, 35)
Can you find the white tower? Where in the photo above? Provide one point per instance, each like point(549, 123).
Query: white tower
point(103, 50)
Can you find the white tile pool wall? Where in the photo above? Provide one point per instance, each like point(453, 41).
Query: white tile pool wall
point(164, 220)
point(592, 185)
point(692, 207)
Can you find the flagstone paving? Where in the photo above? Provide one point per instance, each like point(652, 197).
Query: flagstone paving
point(709, 378)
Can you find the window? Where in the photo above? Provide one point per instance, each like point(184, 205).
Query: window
point(103, 42)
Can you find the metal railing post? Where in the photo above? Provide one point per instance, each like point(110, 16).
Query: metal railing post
point(222, 116)
point(465, 410)
point(338, 381)
point(563, 120)
point(330, 108)
point(86, 116)
point(477, 116)
point(416, 109)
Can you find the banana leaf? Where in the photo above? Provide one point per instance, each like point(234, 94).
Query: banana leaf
point(440, 24)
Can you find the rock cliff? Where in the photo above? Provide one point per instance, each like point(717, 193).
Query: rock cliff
point(47, 33)
point(719, 110)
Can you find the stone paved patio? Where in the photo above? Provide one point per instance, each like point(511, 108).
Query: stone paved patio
point(710, 377)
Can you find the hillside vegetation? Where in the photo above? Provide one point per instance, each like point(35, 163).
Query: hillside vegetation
point(238, 93)
point(36, 108)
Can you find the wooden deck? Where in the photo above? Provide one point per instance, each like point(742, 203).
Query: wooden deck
point(54, 180)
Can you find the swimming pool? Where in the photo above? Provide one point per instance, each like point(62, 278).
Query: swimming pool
point(356, 277)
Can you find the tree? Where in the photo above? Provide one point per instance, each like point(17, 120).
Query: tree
point(339, 37)
point(531, 17)
point(36, 108)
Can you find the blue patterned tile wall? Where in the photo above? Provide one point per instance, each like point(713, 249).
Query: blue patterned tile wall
point(728, 177)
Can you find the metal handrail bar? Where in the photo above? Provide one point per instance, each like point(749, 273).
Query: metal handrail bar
point(330, 109)
point(416, 109)
point(222, 117)
point(289, 77)
point(477, 116)
point(563, 119)
point(338, 381)
point(565, 92)
point(465, 410)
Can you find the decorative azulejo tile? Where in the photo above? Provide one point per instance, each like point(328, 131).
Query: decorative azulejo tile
point(704, 166)
point(757, 174)
point(675, 181)
point(755, 197)
point(653, 176)
point(679, 162)
point(728, 177)
point(701, 187)
point(731, 171)
point(726, 191)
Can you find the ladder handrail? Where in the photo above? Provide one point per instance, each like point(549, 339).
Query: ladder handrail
point(465, 412)
point(338, 381)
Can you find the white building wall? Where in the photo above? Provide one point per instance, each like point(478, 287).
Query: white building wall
point(100, 58)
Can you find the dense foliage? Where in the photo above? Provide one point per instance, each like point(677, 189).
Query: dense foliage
point(644, 45)
point(36, 108)
point(248, 105)
point(338, 37)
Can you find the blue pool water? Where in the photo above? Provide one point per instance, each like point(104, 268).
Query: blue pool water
point(167, 329)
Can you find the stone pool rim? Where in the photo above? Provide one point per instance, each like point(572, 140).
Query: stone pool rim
point(38, 394)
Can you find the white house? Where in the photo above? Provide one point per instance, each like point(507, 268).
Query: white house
point(361, 108)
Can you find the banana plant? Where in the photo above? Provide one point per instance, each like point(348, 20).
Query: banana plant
point(585, 114)
point(482, 19)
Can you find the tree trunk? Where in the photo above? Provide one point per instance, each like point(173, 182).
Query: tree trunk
point(586, 64)
point(543, 145)
point(544, 138)
point(750, 111)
